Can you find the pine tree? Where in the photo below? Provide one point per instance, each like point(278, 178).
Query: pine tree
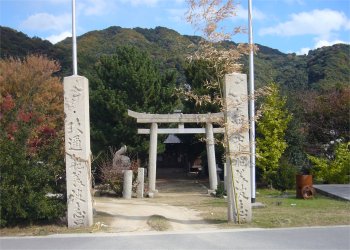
point(128, 79)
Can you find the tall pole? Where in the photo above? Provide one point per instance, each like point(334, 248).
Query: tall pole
point(74, 41)
point(251, 101)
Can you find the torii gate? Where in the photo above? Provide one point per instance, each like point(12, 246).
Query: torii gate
point(236, 121)
point(181, 119)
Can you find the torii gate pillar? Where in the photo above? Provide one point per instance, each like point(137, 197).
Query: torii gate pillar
point(153, 158)
point(213, 179)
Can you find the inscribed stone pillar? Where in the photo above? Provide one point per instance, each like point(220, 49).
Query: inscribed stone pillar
point(237, 121)
point(77, 148)
point(210, 143)
point(152, 168)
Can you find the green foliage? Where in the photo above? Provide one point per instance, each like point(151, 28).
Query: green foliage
point(335, 170)
point(27, 178)
point(329, 67)
point(271, 129)
point(126, 80)
point(220, 190)
point(284, 177)
point(199, 72)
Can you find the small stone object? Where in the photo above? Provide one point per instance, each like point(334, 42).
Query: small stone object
point(127, 185)
point(140, 182)
point(120, 160)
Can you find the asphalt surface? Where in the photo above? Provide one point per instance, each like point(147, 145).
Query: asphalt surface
point(282, 239)
point(340, 191)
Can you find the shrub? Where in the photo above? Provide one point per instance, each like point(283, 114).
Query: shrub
point(333, 170)
point(220, 190)
point(285, 177)
point(112, 175)
point(26, 179)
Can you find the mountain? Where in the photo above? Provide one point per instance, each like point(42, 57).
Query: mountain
point(18, 44)
point(321, 69)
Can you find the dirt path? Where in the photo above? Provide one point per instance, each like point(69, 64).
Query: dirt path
point(131, 215)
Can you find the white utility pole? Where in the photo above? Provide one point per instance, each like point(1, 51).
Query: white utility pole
point(74, 41)
point(251, 102)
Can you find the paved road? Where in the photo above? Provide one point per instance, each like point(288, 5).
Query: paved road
point(281, 239)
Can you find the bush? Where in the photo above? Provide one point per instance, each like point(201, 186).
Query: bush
point(26, 179)
point(220, 190)
point(112, 177)
point(334, 169)
point(285, 177)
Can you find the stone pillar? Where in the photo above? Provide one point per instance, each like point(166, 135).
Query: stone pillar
point(77, 148)
point(237, 122)
point(152, 168)
point(127, 184)
point(230, 200)
point(210, 143)
point(140, 182)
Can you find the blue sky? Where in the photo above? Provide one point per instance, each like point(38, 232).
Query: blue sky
point(287, 25)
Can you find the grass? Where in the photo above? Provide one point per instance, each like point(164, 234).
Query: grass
point(158, 223)
point(287, 211)
point(41, 230)
point(283, 211)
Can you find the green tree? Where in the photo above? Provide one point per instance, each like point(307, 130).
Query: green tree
point(336, 170)
point(128, 79)
point(271, 129)
point(198, 73)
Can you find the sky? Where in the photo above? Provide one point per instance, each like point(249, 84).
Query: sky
point(291, 26)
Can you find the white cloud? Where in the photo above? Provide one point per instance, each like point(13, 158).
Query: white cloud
point(323, 43)
point(46, 22)
point(320, 44)
point(303, 51)
point(317, 22)
point(57, 38)
point(242, 13)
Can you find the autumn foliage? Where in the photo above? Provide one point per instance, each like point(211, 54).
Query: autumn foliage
point(31, 140)
point(31, 95)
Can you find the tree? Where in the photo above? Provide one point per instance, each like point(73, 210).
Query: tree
point(271, 129)
point(125, 80)
point(31, 141)
point(325, 123)
point(333, 169)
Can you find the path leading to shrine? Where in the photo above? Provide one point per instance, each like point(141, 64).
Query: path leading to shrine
point(119, 215)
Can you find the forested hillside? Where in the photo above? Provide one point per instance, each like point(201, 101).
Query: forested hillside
point(322, 68)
